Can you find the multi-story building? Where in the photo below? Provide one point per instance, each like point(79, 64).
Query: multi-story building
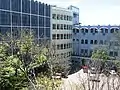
point(62, 33)
point(25, 14)
point(88, 38)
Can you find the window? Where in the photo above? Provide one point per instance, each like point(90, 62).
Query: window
point(86, 30)
point(77, 39)
point(65, 46)
point(82, 50)
point(115, 53)
point(58, 16)
point(95, 42)
point(54, 16)
point(62, 26)
point(82, 41)
point(86, 41)
point(61, 46)
point(77, 30)
point(58, 36)
point(102, 30)
point(61, 17)
point(101, 42)
point(54, 36)
point(112, 30)
point(82, 30)
point(96, 30)
point(106, 30)
point(58, 26)
point(65, 36)
point(65, 17)
point(54, 26)
point(91, 30)
point(58, 47)
point(73, 39)
point(65, 26)
point(91, 42)
point(61, 36)
point(111, 53)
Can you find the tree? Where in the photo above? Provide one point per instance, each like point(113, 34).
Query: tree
point(18, 58)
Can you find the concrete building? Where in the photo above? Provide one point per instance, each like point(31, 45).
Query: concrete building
point(62, 33)
point(88, 38)
point(16, 15)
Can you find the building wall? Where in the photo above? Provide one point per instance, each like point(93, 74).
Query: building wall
point(25, 14)
point(62, 33)
point(87, 38)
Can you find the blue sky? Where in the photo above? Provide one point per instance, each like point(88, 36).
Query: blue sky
point(93, 12)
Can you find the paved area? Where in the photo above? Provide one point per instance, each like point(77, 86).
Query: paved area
point(81, 81)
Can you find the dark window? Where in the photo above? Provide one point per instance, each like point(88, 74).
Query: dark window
point(61, 17)
point(41, 32)
point(41, 21)
point(112, 30)
point(47, 22)
point(58, 36)
point(16, 19)
point(54, 36)
point(26, 6)
point(77, 39)
point(82, 30)
point(34, 21)
point(16, 5)
point(106, 30)
point(65, 17)
point(77, 30)
point(62, 26)
point(82, 50)
point(82, 41)
point(58, 26)
point(25, 20)
point(73, 39)
point(61, 36)
point(65, 46)
point(58, 46)
point(54, 26)
point(86, 41)
point(54, 16)
point(61, 46)
point(5, 4)
point(47, 32)
point(95, 42)
point(86, 30)
point(96, 30)
point(111, 53)
point(65, 36)
point(58, 16)
point(5, 18)
point(102, 30)
point(92, 30)
point(91, 42)
point(65, 26)
point(115, 53)
point(34, 7)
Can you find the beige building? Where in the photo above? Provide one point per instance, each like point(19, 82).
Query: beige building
point(62, 33)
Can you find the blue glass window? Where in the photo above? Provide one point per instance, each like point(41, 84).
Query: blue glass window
point(41, 9)
point(47, 22)
point(41, 32)
point(34, 7)
point(5, 30)
point(5, 4)
point(25, 20)
point(47, 32)
point(4, 18)
point(34, 21)
point(26, 6)
point(16, 5)
point(41, 21)
point(16, 19)
point(35, 32)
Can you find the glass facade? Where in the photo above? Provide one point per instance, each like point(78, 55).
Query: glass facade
point(25, 14)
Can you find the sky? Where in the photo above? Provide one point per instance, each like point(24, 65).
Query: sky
point(93, 12)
